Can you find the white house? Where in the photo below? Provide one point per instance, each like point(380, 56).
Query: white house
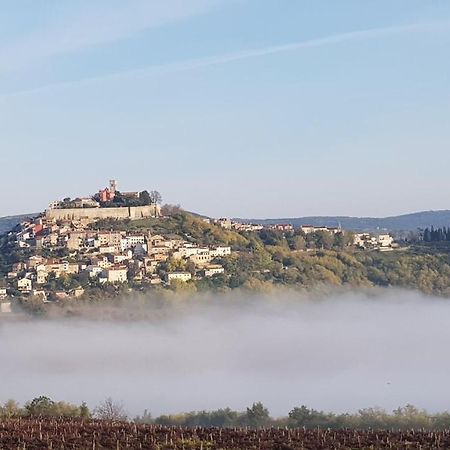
point(190, 251)
point(385, 240)
point(220, 251)
point(131, 241)
point(24, 285)
point(106, 249)
point(116, 274)
point(368, 241)
point(307, 229)
point(213, 269)
point(181, 276)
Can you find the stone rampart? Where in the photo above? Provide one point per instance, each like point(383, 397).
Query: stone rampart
point(132, 212)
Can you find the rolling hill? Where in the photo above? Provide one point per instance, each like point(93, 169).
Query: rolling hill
point(9, 222)
point(405, 222)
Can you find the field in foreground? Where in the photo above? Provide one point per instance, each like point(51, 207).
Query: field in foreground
point(28, 434)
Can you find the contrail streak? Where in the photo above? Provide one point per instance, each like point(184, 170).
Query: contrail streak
point(231, 57)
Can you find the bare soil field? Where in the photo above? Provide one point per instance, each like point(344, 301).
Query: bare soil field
point(34, 434)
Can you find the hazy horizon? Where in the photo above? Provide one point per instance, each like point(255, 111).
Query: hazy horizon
point(266, 110)
point(278, 217)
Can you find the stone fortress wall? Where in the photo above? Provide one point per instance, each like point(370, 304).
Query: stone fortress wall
point(131, 212)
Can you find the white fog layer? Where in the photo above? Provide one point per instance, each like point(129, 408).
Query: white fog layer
point(340, 354)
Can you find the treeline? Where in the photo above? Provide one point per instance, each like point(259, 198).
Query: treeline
point(255, 416)
point(436, 234)
point(43, 407)
point(408, 417)
point(298, 240)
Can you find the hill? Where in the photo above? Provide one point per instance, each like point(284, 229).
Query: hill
point(184, 253)
point(405, 222)
point(9, 222)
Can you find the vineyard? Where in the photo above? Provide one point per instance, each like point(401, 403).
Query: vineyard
point(34, 434)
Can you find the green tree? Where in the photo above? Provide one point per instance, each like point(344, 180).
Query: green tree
point(40, 406)
point(299, 243)
point(10, 409)
point(145, 198)
point(257, 415)
point(85, 413)
point(309, 418)
point(190, 267)
point(324, 239)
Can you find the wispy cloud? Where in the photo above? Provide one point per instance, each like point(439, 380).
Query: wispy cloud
point(321, 42)
point(293, 46)
point(103, 22)
point(353, 36)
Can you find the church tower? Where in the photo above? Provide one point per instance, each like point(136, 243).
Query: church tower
point(112, 187)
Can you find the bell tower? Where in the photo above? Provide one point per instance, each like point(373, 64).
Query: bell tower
point(112, 186)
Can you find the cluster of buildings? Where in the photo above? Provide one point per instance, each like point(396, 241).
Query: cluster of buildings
point(102, 206)
point(103, 256)
point(62, 246)
point(381, 242)
point(310, 229)
point(366, 241)
point(108, 194)
point(105, 195)
point(229, 224)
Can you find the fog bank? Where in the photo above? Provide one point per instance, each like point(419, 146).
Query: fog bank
point(340, 353)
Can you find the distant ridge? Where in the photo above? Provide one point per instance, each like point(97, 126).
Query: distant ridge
point(405, 222)
point(9, 222)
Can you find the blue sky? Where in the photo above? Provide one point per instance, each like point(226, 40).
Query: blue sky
point(250, 108)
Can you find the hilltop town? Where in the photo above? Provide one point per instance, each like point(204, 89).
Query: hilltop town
point(56, 253)
point(115, 239)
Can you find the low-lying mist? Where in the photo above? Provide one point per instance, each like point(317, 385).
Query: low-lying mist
point(339, 353)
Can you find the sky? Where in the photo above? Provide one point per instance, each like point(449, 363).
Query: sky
point(239, 108)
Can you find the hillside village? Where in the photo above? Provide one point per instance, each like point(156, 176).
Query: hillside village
point(78, 243)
